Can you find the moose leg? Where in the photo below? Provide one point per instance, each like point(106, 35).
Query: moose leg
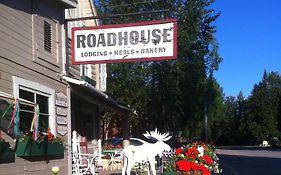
point(125, 165)
point(130, 164)
point(148, 169)
point(152, 166)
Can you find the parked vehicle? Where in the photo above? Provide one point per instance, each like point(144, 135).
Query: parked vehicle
point(118, 142)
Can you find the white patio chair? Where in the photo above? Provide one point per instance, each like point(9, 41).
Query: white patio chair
point(82, 163)
point(115, 160)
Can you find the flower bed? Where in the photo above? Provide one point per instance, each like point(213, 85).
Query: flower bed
point(196, 158)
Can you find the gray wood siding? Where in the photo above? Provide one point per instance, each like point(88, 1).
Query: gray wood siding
point(9, 69)
point(12, 26)
point(17, 42)
point(20, 30)
point(74, 70)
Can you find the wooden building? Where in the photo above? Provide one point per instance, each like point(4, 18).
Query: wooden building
point(35, 68)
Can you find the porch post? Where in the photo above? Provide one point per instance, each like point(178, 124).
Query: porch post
point(69, 132)
point(126, 130)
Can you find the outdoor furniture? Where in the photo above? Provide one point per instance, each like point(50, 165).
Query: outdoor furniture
point(82, 163)
point(114, 158)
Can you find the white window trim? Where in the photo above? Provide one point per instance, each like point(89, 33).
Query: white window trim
point(41, 88)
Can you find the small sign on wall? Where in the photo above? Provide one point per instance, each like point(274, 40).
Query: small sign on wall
point(61, 99)
point(62, 130)
point(61, 120)
point(61, 111)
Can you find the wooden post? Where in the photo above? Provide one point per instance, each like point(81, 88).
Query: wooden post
point(126, 131)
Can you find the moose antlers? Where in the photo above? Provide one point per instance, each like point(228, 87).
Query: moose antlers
point(156, 135)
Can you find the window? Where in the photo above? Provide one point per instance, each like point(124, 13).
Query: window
point(47, 32)
point(47, 37)
point(27, 112)
point(40, 94)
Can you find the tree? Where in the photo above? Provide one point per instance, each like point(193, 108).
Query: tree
point(197, 59)
point(264, 101)
point(173, 93)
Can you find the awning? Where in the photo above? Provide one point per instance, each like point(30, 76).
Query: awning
point(87, 92)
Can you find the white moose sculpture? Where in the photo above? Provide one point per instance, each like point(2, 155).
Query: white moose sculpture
point(145, 152)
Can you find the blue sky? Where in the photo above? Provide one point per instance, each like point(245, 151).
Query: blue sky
point(249, 37)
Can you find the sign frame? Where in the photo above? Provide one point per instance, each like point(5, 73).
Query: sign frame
point(105, 61)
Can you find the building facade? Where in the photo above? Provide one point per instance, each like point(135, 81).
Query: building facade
point(32, 56)
point(36, 70)
point(88, 102)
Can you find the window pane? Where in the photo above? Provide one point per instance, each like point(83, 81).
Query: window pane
point(27, 96)
point(25, 120)
point(43, 103)
point(43, 123)
point(27, 112)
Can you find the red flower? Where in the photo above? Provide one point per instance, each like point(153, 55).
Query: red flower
point(192, 152)
point(183, 165)
point(50, 135)
point(179, 151)
point(203, 169)
point(193, 166)
point(208, 159)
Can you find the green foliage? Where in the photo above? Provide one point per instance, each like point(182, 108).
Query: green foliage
point(263, 108)
point(257, 118)
point(170, 95)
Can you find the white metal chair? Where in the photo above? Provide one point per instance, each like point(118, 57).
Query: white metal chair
point(115, 160)
point(82, 163)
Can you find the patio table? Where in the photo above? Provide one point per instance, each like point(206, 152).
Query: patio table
point(113, 156)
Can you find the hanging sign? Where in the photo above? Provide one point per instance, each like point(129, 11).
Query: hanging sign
point(103, 76)
point(146, 41)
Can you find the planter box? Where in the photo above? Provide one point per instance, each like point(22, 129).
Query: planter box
point(4, 148)
point(55, 149)
point(29, 148)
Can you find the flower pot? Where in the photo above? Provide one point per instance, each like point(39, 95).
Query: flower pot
point(55, 149)
point(3, 147)
point(30, 148)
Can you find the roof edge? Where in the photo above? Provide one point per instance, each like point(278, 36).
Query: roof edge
point(70, 3)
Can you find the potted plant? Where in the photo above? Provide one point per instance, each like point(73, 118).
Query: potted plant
point(44, 145)
point(54, 144)
point(27, 146)
point(197, 158)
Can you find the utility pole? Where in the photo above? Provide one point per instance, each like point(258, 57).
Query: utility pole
point(206, 122)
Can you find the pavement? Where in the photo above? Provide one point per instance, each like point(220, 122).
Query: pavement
point(104, 172)
point(247, 160)
point(114, 172)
